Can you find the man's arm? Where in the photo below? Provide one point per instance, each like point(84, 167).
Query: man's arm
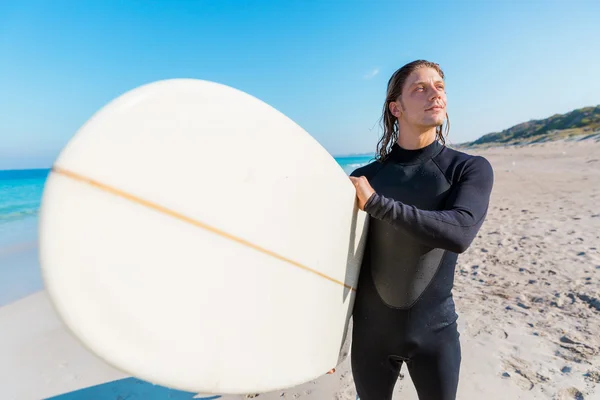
point(452, 229)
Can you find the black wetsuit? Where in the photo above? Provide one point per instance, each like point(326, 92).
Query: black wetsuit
point(428, 207)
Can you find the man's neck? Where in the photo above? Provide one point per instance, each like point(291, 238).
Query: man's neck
point(412, 139)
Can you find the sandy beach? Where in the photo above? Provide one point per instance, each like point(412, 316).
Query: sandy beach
point(527, 293)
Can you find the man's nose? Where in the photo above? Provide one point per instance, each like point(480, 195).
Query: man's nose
point(436, 93)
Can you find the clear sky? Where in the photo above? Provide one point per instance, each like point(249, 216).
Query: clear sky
point(324, 64)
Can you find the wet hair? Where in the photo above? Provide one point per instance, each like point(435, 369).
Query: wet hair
point(389, 121)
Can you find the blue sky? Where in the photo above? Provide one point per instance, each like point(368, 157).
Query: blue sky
point(324, 64)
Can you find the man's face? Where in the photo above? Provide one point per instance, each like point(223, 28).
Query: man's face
point(423, 99)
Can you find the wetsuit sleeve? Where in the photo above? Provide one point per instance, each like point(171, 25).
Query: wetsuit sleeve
point(453, 228)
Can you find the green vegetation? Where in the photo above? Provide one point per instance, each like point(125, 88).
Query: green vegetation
point(577, 124)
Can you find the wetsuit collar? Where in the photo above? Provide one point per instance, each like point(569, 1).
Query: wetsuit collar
point(405, 156)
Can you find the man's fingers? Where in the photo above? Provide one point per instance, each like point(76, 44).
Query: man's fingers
point(356, 180)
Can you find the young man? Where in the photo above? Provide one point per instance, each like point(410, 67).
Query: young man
point(426, 203)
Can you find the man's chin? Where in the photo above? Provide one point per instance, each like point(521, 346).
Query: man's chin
point(433, 123)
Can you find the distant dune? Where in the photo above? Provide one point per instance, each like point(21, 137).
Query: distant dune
point(579, 124)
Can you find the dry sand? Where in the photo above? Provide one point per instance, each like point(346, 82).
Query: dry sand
point(527, 293)
point(39, 358)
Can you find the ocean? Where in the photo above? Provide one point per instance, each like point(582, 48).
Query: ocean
point(350, 163)
point(20, 198)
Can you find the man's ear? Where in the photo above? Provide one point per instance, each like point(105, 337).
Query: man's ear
point(394, 109)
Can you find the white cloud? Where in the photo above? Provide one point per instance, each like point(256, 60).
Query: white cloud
point(372, 73)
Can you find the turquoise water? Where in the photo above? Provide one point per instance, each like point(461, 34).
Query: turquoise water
point(20, 194)
point(20, 198)
point(349, 164)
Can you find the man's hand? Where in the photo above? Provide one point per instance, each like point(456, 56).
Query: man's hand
point(363, 190)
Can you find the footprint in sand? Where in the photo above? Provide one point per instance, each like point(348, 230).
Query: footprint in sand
point(571, 393)
point(519, 371)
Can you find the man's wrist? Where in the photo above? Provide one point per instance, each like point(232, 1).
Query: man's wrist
point(370, 201)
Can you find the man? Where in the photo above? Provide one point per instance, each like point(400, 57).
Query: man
point(426, 203)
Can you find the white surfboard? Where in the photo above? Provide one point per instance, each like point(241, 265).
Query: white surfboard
point(194, 237)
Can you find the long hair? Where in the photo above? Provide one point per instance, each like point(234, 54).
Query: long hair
point(394, 90)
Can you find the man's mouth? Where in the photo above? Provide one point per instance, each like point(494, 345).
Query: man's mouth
point(434, 108)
